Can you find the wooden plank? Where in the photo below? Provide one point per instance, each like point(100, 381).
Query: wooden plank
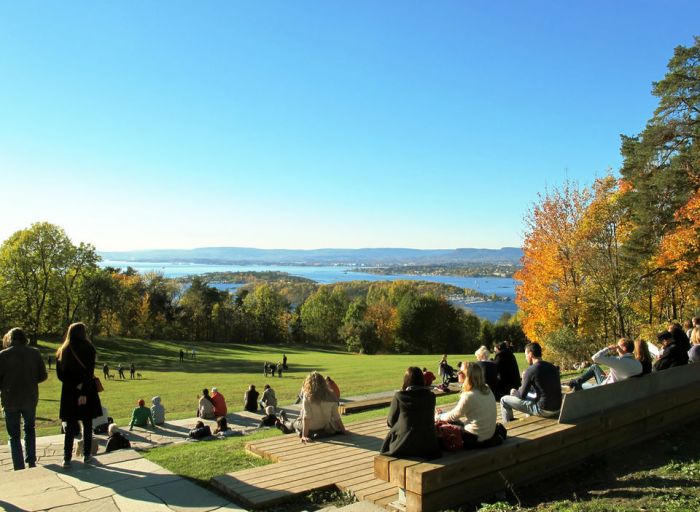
point(464, 465)
point(523, 472)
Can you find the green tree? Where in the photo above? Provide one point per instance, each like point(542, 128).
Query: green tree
point(358, 332)
point(266, 310)
point(322, 315)
point(29, 276)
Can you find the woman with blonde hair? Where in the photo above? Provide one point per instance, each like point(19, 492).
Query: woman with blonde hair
point(319, 410)
point(75, 368)
point(476, 409)
point(490, 370)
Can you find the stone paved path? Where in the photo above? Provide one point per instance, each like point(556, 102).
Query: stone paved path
point(120, 481)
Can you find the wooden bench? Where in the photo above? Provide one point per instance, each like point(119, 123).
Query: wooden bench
point(378, 403)
point(590, 422)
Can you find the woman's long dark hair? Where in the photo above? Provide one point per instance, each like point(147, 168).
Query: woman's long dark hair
point(413, 377)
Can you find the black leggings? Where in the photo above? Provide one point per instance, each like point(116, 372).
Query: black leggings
point(72, 429)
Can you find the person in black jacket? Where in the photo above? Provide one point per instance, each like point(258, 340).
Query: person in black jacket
point(250, 399)
point(411, 420)
point(21, 371)
point(674, 353)
point(116, 440)
point(507, 370)
point(75, 368)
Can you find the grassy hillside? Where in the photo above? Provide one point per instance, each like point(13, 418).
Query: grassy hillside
point(231, 368)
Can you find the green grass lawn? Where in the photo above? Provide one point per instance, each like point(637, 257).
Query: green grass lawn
point(231, 368)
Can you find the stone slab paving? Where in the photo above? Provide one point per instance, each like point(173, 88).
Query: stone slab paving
point(120, 481)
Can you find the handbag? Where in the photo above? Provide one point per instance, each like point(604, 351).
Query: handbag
point(96, 380)
point(449, 436)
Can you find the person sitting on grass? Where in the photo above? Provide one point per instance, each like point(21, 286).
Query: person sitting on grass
point(269, 420)
point(205, 407)
point(116, 440)
point(542, 378)
point(157, 411)
point(476, 409)
point(268, 398)
point(250, 399)
point(200, 431)
point(219, 402)
point(141, 416)
point(222, 429)
point(619, 358)
point(410, 420)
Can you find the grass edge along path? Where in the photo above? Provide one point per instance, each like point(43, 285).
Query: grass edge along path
point(229, 367)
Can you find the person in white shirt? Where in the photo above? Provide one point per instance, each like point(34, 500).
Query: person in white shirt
point(476, 409)
point(619, 358)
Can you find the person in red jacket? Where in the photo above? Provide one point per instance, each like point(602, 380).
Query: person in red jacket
point(219, 403)
point(334, 387)
point(428, 377)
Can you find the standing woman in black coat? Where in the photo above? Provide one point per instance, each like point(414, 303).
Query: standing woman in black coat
point(75, 368)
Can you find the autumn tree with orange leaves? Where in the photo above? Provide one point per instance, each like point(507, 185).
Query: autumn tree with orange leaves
point(622, 258)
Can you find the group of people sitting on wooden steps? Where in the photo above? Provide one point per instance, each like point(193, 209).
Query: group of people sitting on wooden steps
point(418, 429)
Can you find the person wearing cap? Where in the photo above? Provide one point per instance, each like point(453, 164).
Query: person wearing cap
point(219, 402)
point(141, 415)
point(673, 353)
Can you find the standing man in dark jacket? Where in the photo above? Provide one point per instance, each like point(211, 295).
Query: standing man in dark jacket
point(507, 370)
point(21, 371)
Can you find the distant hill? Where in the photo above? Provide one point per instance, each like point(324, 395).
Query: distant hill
point(371, 257)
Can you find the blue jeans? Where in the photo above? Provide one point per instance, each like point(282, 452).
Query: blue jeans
point(12, 420)
point(593, 371)
point(510, 403)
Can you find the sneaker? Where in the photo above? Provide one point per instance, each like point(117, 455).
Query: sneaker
point(574, 385)
point(283, 415)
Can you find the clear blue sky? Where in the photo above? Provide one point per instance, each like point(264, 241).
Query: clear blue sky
point(314, 124)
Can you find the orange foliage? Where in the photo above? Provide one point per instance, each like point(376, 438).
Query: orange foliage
point(680, 249)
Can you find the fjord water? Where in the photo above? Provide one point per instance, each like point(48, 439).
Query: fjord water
point(490, 310)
